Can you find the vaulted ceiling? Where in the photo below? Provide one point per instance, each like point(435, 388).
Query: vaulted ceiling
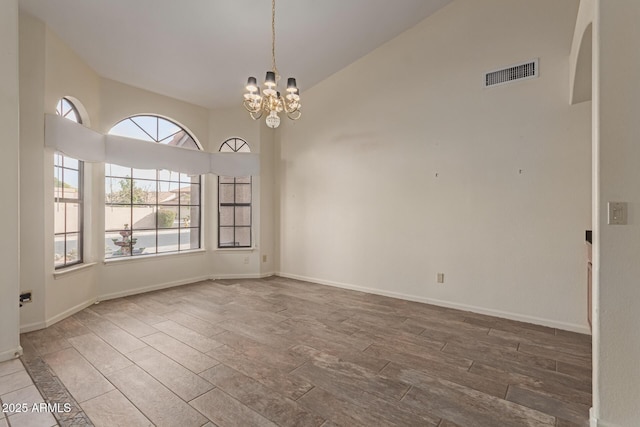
point(202, 51)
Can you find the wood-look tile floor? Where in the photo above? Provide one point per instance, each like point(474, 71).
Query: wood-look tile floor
point(283, 352)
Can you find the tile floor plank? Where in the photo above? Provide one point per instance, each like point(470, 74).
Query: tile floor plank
point(224, 410)
point(83, 381)
point(113, 409)
point(154, 400)
point(279, 409)
point(187, 356)
point(100, 354)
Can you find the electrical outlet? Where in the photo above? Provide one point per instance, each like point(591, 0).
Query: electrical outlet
point(440, 277)
point(26, 297)
point(264, 258)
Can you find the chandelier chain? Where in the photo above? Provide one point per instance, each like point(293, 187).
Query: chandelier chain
point(273, 38)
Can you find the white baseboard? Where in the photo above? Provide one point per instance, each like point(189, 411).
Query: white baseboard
point(58, 317)
point(165, 285)
point(11, 354)
point(465, 307)
point(242, 276)
point(593, 421)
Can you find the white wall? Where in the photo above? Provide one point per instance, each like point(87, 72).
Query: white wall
point(617, 100)
point(33, 177)
point(404, 166)
point(9, 174)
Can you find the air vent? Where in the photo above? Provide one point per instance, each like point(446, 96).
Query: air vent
point(524, 71)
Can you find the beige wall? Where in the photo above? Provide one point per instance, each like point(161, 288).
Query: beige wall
point(9, 174)
point(404, 166)
point(617, 100)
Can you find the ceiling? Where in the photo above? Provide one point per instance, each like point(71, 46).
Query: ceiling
point(202, 51)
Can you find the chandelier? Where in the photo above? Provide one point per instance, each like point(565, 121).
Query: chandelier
point(270, 100)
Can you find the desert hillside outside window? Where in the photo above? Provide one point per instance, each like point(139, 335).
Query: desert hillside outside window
point(151, 211)
point(69, 199)
point(234, 203)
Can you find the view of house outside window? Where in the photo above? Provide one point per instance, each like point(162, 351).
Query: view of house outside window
point(151, 211)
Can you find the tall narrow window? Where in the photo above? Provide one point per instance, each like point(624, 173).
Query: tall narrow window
point(149, 211)
point(69, 199)
point(234, 203)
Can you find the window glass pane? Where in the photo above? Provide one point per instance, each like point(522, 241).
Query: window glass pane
point(70, 184)
point(190, 194)
point(226, 179)
point(167, 217)
point(117, 190)
point(167, 175)
point(148, 124)
point(167, 129)
point(243, 193)
point(243, 180)
point(131, 130)
point(70, 162)
point(57, 159)
point(184, 178)
point(243, 236)
point(243, 148)
point(189, 216)
point(73, 217)
point(243, 215)
point(58, 218)
point(189, 238)
point(226, 237)
point(143, 191)
point(188, 142)
point(73, 248)
point(144, 216)
point(226, 215)
point(144, 173)
point(169, 193)
point(115, 170)
point(145, 242)
point(116, 217)
point(168, 240)
point(226, 193)
point(59, 250)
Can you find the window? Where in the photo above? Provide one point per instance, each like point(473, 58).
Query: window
point(234, 203)
point(69, 199)
point(151, 211)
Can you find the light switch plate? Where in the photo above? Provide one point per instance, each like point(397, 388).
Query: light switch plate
point(617, 213)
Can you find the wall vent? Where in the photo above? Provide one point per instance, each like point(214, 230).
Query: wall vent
point(524, 71)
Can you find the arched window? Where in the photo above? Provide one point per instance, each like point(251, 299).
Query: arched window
point(151, 211)
point(234, 203)
point(69, 199)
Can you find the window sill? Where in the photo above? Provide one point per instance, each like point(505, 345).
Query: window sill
point(232, 249)
point(150, 257)
point(63, 272)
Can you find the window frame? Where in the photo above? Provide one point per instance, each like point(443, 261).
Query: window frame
point(60, 110)
point(227, 147)
point(156, 204)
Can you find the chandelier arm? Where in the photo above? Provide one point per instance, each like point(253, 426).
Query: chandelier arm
point(294, 115)
point(256, 115)
point(250, 109)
